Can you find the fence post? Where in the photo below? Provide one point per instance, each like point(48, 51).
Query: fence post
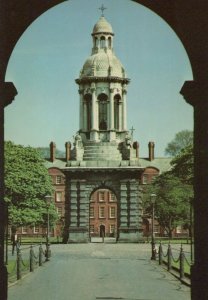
point(181, 263)
point(160, 254)
point(40, 255)
point(169, 257)
point(19, 274)
point(31, 259)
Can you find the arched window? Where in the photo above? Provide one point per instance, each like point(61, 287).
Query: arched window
point(103, 111)
point(96, 42)
point(109, 42)
point(88, 99)
point(117, 99)
point(102, 42)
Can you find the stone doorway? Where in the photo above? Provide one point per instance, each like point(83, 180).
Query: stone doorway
point(102, 231)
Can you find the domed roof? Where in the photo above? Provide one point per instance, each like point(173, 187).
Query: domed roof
point(102, 26)
point(102, 65)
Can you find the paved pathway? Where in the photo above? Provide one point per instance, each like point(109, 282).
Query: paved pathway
point(100, 271)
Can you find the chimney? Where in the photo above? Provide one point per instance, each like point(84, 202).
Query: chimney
point(68, 150)
point(151, 146)
point(52, 151)
point(136, 146)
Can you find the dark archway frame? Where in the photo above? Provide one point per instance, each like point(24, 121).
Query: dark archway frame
point(188, 18)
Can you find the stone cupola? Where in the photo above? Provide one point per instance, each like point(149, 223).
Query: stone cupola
point(102, 88)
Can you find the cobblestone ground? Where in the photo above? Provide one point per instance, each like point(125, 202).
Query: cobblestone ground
point(100, 271)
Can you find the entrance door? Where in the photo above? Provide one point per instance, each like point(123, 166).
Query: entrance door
point(102, 230)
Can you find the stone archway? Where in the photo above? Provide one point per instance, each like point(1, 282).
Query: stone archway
point(192, 29)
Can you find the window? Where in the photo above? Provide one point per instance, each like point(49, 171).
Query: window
point(88, 103)
point(58, 179)
point(112, 197)
point(145, 179)
point(36, 229)
point(112, 228)
point(24, 230)
point(102, 42)
point(58, 196)
point(101, 212)
point(112, 212)
point(102, 111)
point(91, 212)
point(59, 211)
point(92, 228)
point(117, 100)
point(102, 196)
point(109, 42)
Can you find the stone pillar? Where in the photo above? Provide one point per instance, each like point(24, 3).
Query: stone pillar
point(81, 110)
point(123, 206)
point(111, 121)
point(73, 204)
point(151, 147)
point(196, 94)
point(124, 110)
point(94, 110)
point(120, 117)
point(85, 115)
point(7, 95)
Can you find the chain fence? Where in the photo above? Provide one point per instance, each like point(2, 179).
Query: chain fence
point(174, 259)
point(26, 260)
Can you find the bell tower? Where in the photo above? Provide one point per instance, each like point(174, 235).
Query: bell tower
point(102, 88)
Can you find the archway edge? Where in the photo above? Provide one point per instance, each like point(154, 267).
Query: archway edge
point(191, 29)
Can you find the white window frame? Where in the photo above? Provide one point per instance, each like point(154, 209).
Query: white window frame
point(61, 196)
point(110, 197)
point(92, 212)
point(112, 215)
point(36, 229)
point(101, 199)
point(58, 179)
point(114, 228)
point(101, 212)
point(24, 230)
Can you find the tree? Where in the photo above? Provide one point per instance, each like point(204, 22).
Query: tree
point(172, 203)
point(183, 165)
point(27, 182)
point(181, 140)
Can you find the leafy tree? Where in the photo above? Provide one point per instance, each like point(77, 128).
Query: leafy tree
point(183, 165)
point(172, 207)
point(181, 140)
point(26, 184)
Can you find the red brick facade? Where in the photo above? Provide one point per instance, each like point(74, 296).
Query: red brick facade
point(103, 213)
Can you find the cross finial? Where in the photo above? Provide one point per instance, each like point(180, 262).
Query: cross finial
point(132, 131)
point(102, 8)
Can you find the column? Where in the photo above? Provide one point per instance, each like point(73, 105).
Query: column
point(120, 116)
point(123, 205)
point(73, 204)
point(85, 115)
point(84, 205)
point(124, 110)
point(196, 94)
point(94, 110)
point(111, 119)
point(7, 95)
point(81, 110)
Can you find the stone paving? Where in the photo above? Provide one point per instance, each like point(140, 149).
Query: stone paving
point(100, 271)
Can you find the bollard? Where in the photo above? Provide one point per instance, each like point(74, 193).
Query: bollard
point(160, 254)
point(40, 255)
point(19, 273)
point(181, 263)
point(169, 257)
point(31, 259)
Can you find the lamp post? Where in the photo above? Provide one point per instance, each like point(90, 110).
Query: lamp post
point(48, 202)
point(153, 198)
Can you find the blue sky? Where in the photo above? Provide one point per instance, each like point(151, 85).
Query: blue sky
point(50, 54)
